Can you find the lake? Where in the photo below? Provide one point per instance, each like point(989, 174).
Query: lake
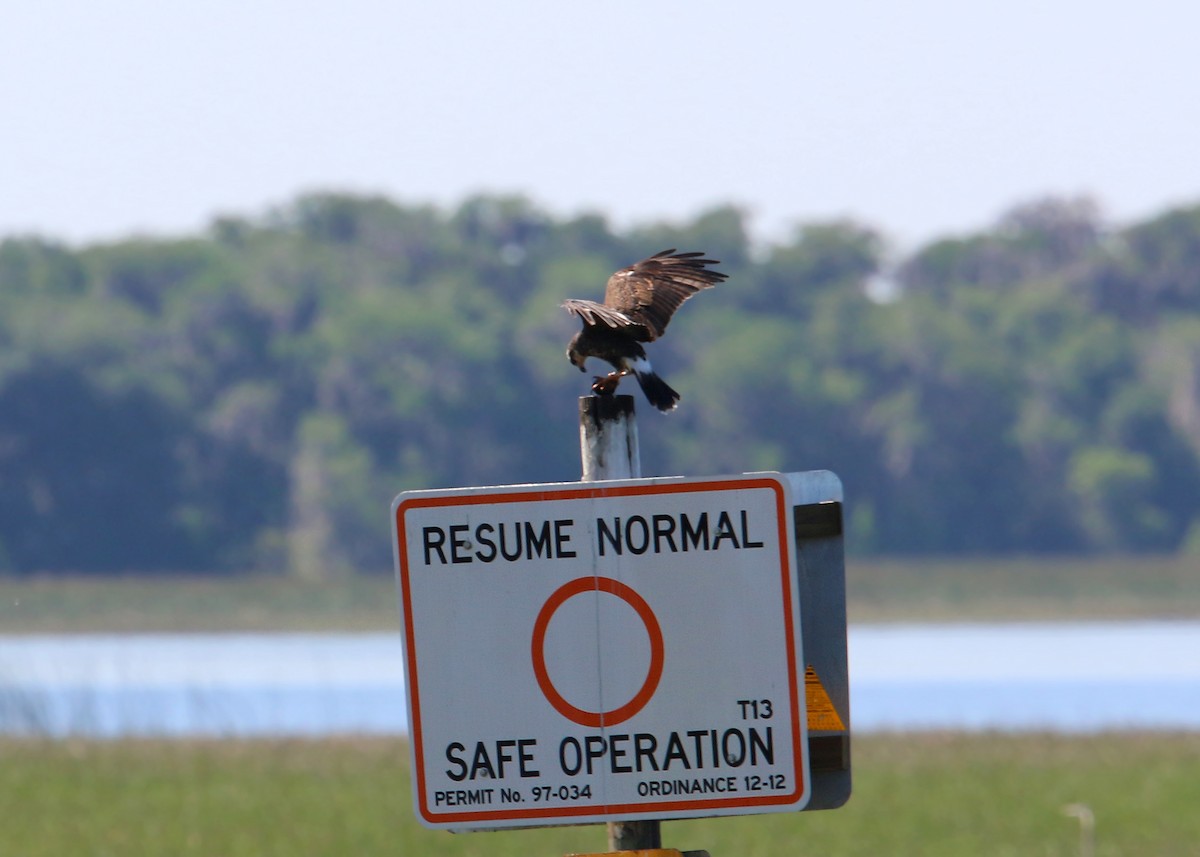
point(1069, 677)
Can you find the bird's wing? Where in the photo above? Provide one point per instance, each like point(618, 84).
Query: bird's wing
point(593, 313)
point(649, 292)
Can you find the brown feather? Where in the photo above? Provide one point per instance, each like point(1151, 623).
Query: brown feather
point(649, 292)
point(593, 314)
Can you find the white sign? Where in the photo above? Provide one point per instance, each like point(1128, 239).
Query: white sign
point(587, 652)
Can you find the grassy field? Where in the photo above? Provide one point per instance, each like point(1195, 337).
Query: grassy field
point(1024, 589)
point(921, 795)
point(934, 590)
point(914, 794)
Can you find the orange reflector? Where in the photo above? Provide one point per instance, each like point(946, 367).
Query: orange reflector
point(821, 713)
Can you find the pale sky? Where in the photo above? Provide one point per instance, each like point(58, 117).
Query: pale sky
point(921, 118)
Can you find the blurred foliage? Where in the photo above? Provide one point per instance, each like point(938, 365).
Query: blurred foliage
point(253, 397)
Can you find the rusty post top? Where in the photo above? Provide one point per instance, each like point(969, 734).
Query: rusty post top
point(605, 408)
point(646, 852)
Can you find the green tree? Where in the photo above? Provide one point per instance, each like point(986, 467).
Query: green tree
point(1149, 270)
point(253, 396)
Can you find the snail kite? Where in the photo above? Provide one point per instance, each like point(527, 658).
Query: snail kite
point(638, 304)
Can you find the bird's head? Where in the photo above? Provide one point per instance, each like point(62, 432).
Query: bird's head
point(577, 357)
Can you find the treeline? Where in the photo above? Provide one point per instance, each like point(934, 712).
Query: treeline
point(253, 397)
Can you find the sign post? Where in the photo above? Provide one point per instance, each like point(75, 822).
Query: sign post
point(624, 650)
point(608, 449)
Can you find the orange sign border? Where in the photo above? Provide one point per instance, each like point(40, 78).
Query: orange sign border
point(588, 491)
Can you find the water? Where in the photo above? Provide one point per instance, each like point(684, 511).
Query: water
point(205, 684)
point(1067, 677)
point(1059, 676)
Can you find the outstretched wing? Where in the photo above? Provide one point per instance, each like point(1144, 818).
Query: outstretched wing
point(649, 292)
point(593, 313)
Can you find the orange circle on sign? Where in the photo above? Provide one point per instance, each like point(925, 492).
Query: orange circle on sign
point(630, 597)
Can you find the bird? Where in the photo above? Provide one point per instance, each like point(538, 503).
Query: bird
point(638, 304)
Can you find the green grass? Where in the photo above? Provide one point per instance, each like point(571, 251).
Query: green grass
point(914, 794)
point(47, 604)
point(879, 591)
point(1131, 587)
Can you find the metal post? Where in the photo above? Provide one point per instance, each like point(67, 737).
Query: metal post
point(608, 446)
point(608, 438)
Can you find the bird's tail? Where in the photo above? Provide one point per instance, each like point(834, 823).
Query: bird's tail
point(657, 391)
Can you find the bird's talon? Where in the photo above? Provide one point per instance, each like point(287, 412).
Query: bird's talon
point(606, 385)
